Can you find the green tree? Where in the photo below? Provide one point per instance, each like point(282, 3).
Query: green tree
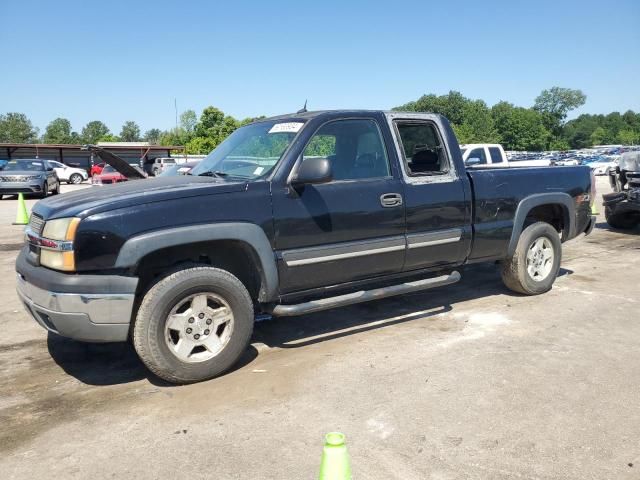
point(519, 128)
point(555, 103)
point(130, 132)
point(628, 137)
point(188, 121)
point(597, 136)
point(152, 136)
point(109, 137)
point(200, 145)
point(59, 131)
point(93, 131)
point(215, 126)
point(175, 136)
point(17, 128)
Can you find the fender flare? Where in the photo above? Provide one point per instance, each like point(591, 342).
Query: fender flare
point(252, 235)
point(532, 201)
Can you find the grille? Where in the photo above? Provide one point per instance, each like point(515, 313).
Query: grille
point(23, 178)
point(36, 223)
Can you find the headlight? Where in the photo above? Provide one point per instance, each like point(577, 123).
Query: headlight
point(61, 229)
point(56, 244)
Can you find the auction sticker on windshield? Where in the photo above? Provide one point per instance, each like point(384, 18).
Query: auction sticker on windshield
point(286, 127)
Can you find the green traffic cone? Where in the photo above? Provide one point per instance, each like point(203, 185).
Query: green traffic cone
point(335, 459)
point(22, 217)
point(594, 210)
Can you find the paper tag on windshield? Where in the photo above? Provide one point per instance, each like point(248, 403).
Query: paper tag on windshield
point(258, 171)
point(286, 127)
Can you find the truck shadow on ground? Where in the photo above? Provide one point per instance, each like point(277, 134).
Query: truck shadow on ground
point(606, 226)
point(113, 364)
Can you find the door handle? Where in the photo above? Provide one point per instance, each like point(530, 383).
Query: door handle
point(389, 200)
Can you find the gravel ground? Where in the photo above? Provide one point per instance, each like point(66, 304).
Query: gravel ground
point(466, 381)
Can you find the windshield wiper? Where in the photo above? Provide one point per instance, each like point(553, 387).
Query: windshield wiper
point(210, 173)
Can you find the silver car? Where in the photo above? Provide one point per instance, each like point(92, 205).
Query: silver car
point(28, 176)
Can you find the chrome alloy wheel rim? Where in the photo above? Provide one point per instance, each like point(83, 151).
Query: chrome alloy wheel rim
point(199, 327)
point(540, 258)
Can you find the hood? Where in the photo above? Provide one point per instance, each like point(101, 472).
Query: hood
point(115, 161)
point(89, 201)
point(21, 173)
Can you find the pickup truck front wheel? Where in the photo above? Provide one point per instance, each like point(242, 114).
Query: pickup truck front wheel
point(193, 324)
point(535, 263)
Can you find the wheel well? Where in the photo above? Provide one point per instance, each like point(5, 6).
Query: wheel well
point(553, 214)
point(235, 257)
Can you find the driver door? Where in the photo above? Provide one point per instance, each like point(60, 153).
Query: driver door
point(349, 228)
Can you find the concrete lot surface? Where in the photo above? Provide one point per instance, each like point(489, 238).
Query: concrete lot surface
point(467, 381)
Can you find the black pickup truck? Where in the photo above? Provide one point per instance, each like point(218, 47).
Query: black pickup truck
point(289, 215)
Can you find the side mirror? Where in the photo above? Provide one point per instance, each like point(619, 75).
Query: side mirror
point(313, 170)
point(49, 169)
point(470, 162)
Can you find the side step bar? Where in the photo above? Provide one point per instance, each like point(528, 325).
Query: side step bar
point(364, 296)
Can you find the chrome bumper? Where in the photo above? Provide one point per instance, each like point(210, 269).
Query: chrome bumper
point(87, 317)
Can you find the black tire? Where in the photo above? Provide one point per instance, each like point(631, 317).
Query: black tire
point(620, 221)
point(149, 329)
point(75, 179)
point(515, 273)
point(56, 190)
point(44, 192)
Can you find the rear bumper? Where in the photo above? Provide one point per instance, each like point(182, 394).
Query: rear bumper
point(590, 225)
point(99, 315)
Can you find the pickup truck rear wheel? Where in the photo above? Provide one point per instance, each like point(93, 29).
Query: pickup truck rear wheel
point(193, 324)
point(535, 263)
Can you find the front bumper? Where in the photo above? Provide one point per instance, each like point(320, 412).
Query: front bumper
point(94, 312)
point(13, 188)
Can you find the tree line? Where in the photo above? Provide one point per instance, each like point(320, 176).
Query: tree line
point(540, 127)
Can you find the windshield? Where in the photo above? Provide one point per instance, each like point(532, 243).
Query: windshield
point(251, 152)
point(108, 169)
point(30, 165)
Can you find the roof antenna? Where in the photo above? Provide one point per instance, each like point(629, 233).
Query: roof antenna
point(304, 109)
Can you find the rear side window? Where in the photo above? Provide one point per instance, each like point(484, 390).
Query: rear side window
point(353, 147)
point(479, 154)
point(422, 149)
point(496, 155)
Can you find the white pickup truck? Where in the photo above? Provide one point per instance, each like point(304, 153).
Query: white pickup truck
point(492, 155)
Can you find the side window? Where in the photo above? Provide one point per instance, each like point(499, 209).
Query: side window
point(354, 148)
point(496, 155)
point(479, 154)
point(422, 148)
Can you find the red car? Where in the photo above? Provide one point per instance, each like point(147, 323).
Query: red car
point(107, 176)
point(96, 169)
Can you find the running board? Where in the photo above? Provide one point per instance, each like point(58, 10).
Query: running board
point(364, 296)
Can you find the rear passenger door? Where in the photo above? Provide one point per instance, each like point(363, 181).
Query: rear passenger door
point(437, 201)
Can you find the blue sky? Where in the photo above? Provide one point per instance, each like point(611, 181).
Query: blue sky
point(116, 61)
